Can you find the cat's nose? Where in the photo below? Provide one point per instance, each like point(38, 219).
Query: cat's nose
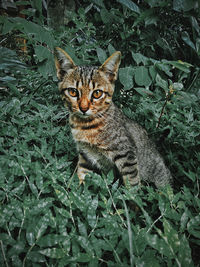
point(84, 109)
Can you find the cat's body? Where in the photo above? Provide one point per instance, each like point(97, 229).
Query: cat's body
point(105, 137)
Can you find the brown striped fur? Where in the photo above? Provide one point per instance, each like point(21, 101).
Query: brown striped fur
point(104, 136)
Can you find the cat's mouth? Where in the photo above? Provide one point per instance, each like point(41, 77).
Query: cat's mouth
point(83, 115)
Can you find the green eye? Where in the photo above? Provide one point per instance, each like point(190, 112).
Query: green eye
point(97, 94)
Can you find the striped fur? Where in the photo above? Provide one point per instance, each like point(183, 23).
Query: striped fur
point(104, 136)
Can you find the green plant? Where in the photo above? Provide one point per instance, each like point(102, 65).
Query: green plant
point(46, 218)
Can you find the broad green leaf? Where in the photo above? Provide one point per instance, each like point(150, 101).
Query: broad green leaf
point(83, 257)
point(193, 226)
point(50, 240)
point(99, 3)
point(165, 67)
point(82, 228)
point(172, 236)
point(35, 256)
point(183, 5)
point(7, 239)
point(184, 253)
point(143, 91)
point(105, 16)
point(142, 77)
point(181, 65)
point(161, 82)
point(53, 253)
point(41, 205)
point(65, 213)
point(160, 245)
point(42, 53)
point(91, 215)
point(139, 58)
point(101, 55)
point(126, 77)
point(111, 49)
point(186, 38)
point(8, 26)
point(41, 226)
point(30, 235)
point(148, 259)
point(109, 177)
point(62, 196)
point(16, 249)
point(130, 4)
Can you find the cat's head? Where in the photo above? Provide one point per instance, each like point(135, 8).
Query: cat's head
point(87, 90)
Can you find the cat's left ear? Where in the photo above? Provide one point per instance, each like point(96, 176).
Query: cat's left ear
point(63, 62)
point(111, 66)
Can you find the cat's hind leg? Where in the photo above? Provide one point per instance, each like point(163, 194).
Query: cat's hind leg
point(128, 167)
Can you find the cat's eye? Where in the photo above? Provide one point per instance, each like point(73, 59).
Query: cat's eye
point(97, 94)
point(73, 92)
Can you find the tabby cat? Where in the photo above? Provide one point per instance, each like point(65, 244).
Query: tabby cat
point(105, 137)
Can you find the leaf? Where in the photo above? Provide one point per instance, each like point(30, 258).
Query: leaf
point(193, 226)
point(153, 72)
point(62, 197)
point(30, 235)
point(99, 3)
point(148, 259)
point(161, 82)
point(101, 55)
point(83, 257)
point(111, 49)
point(171, 236)
point(105, 16)
point(50, 240)
point(143, 91)
point(139, 58)
point(186, 38)
point(126, 77)
point(53, 253)
point(41, 226)
point(142, 77)
point(129, 4)
point(91, 215)
point(181, 65)
point(183, 5)
point(82, 228)
point(35, 256)
point(159, 244)
point(184, 253)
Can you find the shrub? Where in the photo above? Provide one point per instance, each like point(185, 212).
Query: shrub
point(46, 218)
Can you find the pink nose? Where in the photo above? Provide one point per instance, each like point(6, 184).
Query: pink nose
point(84, 109)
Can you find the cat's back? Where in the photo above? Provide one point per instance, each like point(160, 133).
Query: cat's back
point(151, 164)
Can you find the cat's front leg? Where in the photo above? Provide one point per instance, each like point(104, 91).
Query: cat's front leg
point(84, 167)
point(128, 167)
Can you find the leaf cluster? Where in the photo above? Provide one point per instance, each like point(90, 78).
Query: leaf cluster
point(46, 218)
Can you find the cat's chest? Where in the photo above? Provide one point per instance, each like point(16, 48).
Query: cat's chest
point(91, 133)
point(90, 137)
point(96, 156)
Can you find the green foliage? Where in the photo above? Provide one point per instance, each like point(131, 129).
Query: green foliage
point(46, 218)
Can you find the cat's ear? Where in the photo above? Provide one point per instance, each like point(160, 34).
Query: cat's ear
point(111, 66)
point(63, 62)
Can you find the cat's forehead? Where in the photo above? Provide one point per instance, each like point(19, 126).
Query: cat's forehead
point(85, 77)
point(86, 73)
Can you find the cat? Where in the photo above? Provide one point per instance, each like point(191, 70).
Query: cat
point(104, 136)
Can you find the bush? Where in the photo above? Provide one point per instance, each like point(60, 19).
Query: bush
point(46, 218)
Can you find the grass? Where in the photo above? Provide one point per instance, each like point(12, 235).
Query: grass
point(47, 219)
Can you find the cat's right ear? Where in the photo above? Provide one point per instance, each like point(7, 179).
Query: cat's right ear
point(63, 62)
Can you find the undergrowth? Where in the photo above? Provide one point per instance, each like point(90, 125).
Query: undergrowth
point(46, 217)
